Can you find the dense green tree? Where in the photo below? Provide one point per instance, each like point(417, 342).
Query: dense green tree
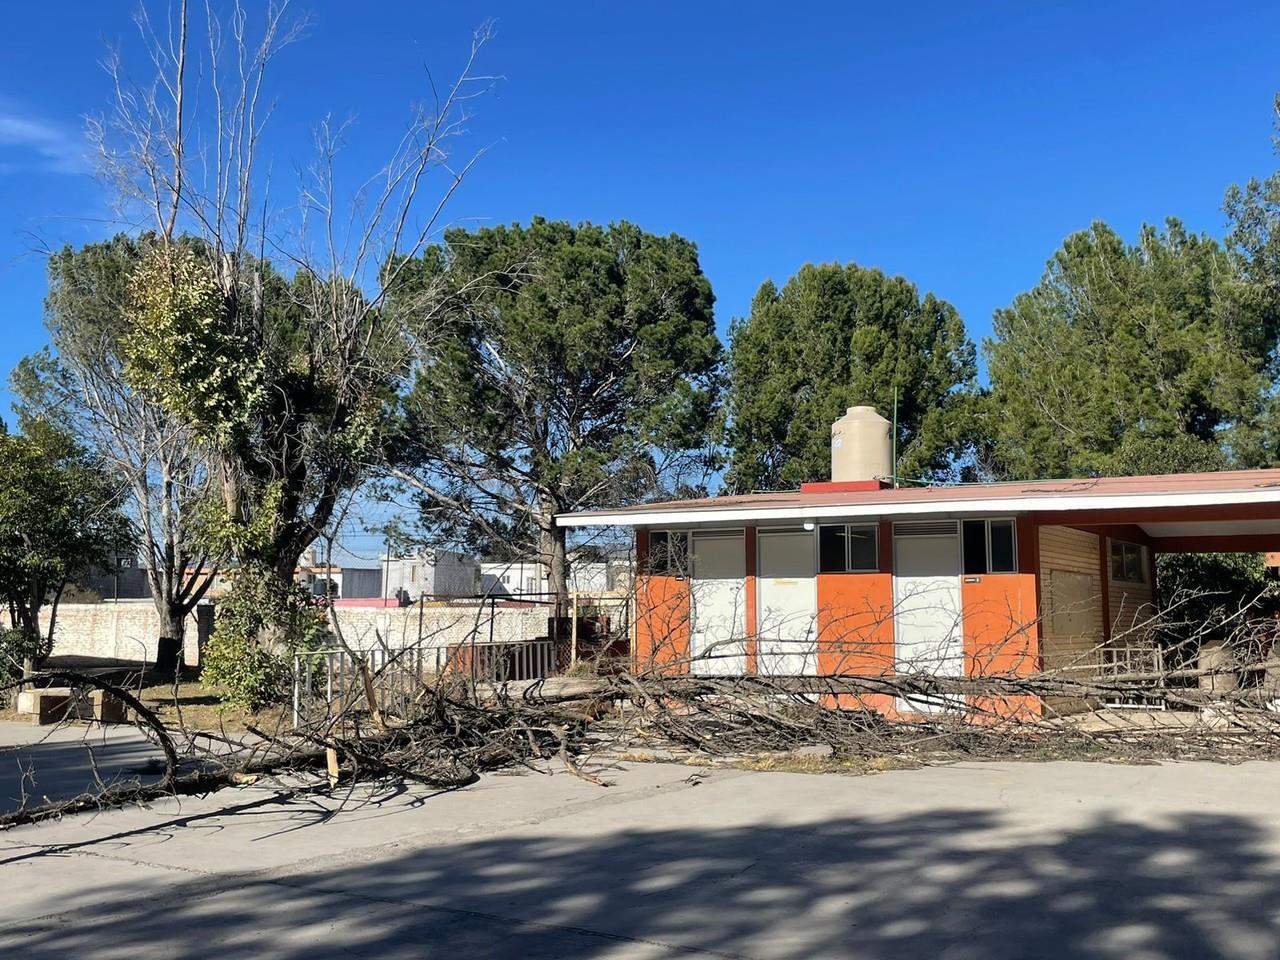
point(59, 518)
point(1253, 213)
point(576, 365)
point(1162, 339)
point(837, 336)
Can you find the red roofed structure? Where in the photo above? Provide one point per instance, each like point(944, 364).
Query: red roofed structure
point(857, 576)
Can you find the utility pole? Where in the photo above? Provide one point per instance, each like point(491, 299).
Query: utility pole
point(386, 569)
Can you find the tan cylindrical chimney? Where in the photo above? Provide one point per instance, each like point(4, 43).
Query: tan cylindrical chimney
point(861, 448)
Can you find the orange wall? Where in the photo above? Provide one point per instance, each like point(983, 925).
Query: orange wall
point(855, 625)
point(855, 632)
point(1001, 628)
point(662, 616)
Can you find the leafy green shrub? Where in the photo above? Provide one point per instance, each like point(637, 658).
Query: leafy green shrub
point(259, 628)
point(182, 350)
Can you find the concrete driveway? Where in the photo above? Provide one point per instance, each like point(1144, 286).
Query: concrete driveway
point(976, 861)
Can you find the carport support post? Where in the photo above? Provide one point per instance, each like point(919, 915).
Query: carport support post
point(573, 628)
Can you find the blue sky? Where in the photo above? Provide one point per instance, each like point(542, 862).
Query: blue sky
point(956, 144)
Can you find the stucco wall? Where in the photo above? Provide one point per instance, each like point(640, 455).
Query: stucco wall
point(438, 626)
point(125, 630)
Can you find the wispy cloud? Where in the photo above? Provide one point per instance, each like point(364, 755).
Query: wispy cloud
point(31, 143)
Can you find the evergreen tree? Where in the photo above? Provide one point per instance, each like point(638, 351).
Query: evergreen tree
point(1158, 340)
point(569, 367)
point(59, 519)
point(838, 336)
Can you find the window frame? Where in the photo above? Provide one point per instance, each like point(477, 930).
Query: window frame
point(1125, 545)
point(848, 546)
point(986, 537)
point(667, 571)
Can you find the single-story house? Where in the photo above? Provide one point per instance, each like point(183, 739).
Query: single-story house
point(859, 575)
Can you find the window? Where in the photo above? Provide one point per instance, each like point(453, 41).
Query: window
point(848, 548)
point(1127, 562)
point(989, 547)
point(1000, 543)
point(669, 553)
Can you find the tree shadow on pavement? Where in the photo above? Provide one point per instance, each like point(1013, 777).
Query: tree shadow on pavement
point(58, 769)
point(950, 884)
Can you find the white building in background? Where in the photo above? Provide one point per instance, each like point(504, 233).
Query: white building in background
point(338, 581)
point(341, 583)
point(514, 578)
point(434, 574)
point(527, 579)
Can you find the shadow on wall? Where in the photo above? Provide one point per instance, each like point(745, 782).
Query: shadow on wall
point(950, 884)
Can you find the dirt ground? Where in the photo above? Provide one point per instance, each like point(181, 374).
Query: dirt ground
point(199, 706)
point(977, 861)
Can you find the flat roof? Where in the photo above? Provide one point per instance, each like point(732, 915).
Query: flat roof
point(1098, 493)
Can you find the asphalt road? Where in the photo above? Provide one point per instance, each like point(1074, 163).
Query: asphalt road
point(981, 861)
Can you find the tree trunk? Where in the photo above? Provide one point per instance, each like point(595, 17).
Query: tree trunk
point(551, 547)
point(169, 643)
point(173, 621)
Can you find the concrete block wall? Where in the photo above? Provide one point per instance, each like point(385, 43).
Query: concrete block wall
point(438, 626)
point(127, 630)
point(124, 630)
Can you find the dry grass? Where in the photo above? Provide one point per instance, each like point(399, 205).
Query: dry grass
point(198, 706)
point(193, 705)
point(800, 763)
point(778, 762)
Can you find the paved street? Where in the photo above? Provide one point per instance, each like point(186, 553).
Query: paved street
point(57, 762)
point(971, 861)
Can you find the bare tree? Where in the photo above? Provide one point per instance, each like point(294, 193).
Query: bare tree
point(295, 361)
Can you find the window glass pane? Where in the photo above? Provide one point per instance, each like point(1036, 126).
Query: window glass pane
point(1133, 563)
point(659, 551)
point(678, 555)
point(863, 554)
point(975, 546)
point(831, 549)
point(1002, 546)
point(1126, 562)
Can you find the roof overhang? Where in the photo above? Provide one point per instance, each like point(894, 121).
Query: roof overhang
point(1125, 508)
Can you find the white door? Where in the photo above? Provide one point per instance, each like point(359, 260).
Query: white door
point(787, 600)
point(717, 592)
point(926, 595)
